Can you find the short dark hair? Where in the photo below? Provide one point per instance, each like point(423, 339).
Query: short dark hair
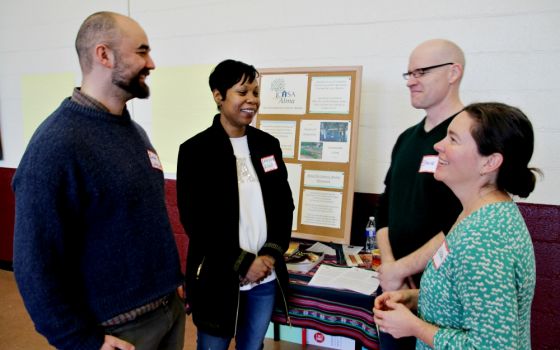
point(230, 72)
point(500, 128)
point(98, 27)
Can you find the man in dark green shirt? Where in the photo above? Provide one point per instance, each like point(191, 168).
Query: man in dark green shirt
point(416, 211)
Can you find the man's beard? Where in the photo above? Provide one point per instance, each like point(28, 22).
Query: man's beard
point(133, 85)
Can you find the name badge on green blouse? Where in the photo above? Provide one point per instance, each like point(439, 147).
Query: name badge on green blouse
point(440, 255)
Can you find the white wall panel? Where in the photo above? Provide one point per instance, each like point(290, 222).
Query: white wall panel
point(512, 50)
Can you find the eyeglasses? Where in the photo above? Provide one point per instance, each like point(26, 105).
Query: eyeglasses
point(417, 73)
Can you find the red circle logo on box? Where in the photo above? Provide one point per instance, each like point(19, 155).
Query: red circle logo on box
point(319, 337)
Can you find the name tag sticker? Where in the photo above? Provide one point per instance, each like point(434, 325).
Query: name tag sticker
point(269, 163)
point(154, 159)
point(441, 254)
point(429, 164)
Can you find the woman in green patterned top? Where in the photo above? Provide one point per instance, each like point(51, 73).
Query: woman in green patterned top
point(477, 290)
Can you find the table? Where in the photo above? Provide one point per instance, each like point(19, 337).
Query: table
point(331, 311)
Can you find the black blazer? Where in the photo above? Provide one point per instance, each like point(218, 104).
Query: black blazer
point(208, 202)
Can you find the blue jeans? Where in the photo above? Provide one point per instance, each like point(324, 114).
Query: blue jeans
point(161, 329)
point(255, 310)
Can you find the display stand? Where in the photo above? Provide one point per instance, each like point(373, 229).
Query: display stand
point(314, 112)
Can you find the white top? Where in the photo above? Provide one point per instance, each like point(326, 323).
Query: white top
point(252, 218)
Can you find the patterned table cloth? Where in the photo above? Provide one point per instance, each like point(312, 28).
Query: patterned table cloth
point(331, 311)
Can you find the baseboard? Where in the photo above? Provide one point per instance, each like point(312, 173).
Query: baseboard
point(6, 265)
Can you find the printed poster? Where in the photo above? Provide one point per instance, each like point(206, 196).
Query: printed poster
point(284, 131)
point(324, 179)
point(321, 208)
point(283, 94)
point(325, 140)
point(294, 179)
point(330, 95)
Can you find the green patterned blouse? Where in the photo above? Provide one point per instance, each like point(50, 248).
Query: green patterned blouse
point(480, 296)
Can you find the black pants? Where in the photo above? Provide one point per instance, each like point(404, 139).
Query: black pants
point(387, 342)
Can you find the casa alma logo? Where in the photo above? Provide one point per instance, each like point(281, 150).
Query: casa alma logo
point(281, 94)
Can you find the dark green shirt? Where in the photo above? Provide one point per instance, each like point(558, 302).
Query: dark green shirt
point(415, 206)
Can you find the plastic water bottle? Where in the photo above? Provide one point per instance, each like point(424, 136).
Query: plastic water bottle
point(371, 242)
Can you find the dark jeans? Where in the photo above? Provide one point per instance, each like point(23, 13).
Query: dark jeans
point(255, 310)
point(160, 329)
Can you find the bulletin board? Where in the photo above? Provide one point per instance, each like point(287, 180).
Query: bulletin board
point(314, 112)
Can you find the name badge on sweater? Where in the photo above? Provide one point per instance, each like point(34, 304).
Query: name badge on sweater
point(269, 163)
point(441, 254)
point(429, 164)
point(154, 159)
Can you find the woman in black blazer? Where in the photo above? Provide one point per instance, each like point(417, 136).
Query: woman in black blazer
point(236, 206)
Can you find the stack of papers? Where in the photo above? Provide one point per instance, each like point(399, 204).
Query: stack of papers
point(353, 278)
point(351, 253)
point(303, 261)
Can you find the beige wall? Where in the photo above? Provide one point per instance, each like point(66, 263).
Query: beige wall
point(512, 49)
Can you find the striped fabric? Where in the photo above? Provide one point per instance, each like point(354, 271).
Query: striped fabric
point(331, 311)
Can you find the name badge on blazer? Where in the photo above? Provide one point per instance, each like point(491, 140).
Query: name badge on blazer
point(269, 163)
point(154, 160)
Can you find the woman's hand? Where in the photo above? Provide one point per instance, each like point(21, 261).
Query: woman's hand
point(260, 269)
point(407, 297)
point(396, 319)
point(392, 315)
